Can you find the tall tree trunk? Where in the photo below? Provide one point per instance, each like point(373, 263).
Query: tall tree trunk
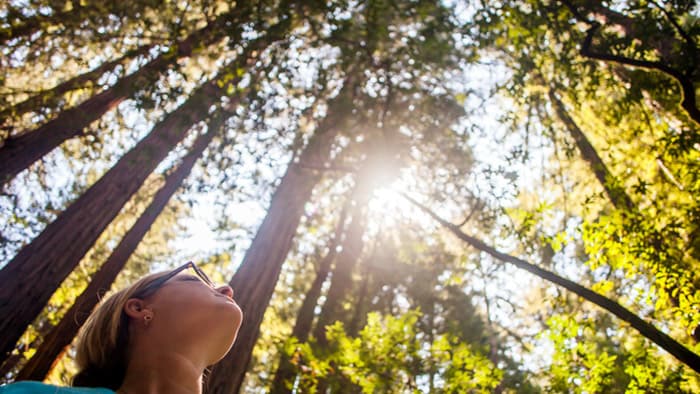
point(28, 281)
point(341, 280)
point(682, 353)
point(50, 96)
point(305, 316)
point(255, 280)
point(61, 336)
point(616, 193)
point(358, 315)
point(21, 151)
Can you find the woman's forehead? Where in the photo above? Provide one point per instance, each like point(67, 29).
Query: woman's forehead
point(187, 276)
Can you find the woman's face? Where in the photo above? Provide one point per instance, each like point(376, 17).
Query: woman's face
point(193, 317)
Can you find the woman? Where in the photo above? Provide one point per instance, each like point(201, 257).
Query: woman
point(156, 336)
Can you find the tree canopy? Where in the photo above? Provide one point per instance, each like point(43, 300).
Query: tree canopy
point(406, 196)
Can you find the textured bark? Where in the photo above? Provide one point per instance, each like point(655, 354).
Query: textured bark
point(21, 151)
point(50, 96)
point(255, 280)
point(617, 195)
point(676, 349)
point(28, 281)
point(61, 336)
point(305, 316)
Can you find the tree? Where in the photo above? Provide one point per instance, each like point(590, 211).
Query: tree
point(20, 151)
point(305, 315)
point(664, 341)
point(21, 26)
point(341, 281)
point(62, 334)
point(674, 47)
point(256, 278)
point(38, 263)
point(48, 98)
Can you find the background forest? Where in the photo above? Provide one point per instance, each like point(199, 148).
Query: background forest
point(406, 196)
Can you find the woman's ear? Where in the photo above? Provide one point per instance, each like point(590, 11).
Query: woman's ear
point(136, 308)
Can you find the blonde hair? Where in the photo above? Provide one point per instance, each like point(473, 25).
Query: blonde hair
point(102, 348)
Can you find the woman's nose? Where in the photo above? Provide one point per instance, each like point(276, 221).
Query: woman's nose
point(226, 290)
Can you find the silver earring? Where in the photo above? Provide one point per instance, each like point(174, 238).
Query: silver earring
point(147, 319)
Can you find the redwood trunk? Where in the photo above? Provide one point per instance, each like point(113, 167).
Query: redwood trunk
point(341, 281)
point(21, 151)
point(617, 195)
point(682, 353)
point(255, 280)
point(28, 281)
point(50, 96)
point(305, 316)
point(61, 336)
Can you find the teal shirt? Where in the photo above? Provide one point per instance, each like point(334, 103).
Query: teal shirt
point(28, 387)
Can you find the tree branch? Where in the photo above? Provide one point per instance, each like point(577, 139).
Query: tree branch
point(688, 101)
point(667, 343)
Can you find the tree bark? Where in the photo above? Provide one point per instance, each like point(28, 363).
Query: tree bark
point(680, 352)
point(27, 282)
point(255, 280)
point(61, 336)
point(21, 151)
point(617, 195)
point(305, 316)
point(50, 96)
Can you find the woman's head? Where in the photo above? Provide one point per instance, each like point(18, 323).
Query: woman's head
point(174, 311)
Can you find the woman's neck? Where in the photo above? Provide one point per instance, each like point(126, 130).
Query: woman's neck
point(161, 373)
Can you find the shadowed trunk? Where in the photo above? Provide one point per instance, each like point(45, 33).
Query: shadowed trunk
point(51, 96)
point(255, 280)
point(21, 151)
point(61, 336)
point(29, 279)
point(305, 316)
point(680, 352)
point(341, 280)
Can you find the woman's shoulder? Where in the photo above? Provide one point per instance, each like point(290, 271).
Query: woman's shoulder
point(28, 387)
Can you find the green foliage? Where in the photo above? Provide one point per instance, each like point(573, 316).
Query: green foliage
point(390, 356)
point(587, 359)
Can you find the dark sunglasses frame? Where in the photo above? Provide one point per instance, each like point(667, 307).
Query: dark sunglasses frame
point(160, 281)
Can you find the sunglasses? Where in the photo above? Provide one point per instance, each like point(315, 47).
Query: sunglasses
point(160, 281)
